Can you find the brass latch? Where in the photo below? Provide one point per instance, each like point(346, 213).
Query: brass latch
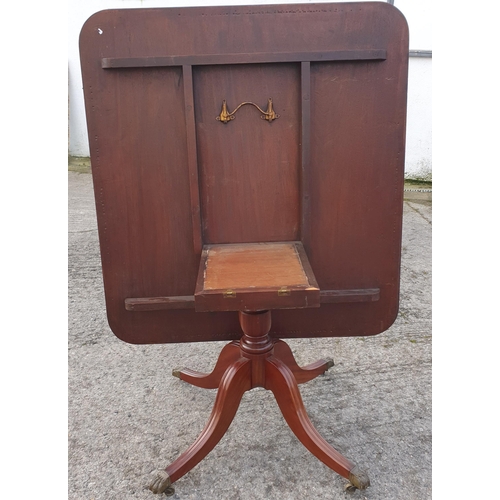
point(229, 294)
point(226, 116)
point(283, 291)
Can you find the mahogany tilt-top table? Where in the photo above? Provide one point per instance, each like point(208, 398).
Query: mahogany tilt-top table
point(248, 168)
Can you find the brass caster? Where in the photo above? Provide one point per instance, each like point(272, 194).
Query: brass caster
point(329, 363)
point(177, 372)
point(358, 480)
point(162, 484)
point(169, 491)
point(350, 488)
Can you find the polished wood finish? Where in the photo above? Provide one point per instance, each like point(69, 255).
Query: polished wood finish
point(259, 361)
point(229, 354)
point(170, 178)
point(356, 295)
point(235, 382)
point(206, 224)
point(249, 168)
point(303, 374)
point(192, 157)
point(305, 89)
point(159, 303)
point(248, 58)
point(280, 380)
point(187, 302)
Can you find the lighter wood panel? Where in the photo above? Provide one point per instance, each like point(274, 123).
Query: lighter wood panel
point(253, 266)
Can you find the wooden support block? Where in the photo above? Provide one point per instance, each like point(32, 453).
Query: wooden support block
point(255, 276)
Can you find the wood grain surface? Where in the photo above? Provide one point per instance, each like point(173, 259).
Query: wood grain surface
point(169, 178)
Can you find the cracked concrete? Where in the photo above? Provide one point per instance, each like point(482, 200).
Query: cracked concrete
point(129, 417)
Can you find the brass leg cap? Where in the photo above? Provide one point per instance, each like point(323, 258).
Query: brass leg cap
point(161, 483)
point(359, 479)
point(177, 372)
point(329, 363)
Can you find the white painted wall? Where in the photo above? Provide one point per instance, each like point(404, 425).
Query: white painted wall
point(418, 145)
point(418, 164)
point(419, 118)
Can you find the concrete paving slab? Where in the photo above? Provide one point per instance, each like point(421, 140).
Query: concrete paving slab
point(128, 416)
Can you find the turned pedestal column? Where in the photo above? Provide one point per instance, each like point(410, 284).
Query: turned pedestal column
point(257, 360)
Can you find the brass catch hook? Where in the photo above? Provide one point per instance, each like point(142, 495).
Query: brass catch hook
point(226, 116)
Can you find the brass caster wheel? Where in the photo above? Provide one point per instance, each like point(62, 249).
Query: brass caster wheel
point(358, 480)
point(329, 363)
point(169, 491)
point(350, 488)
point(162, 484)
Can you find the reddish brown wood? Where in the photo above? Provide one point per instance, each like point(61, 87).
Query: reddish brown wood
point(362, 295)
point(329, 171)
point(248, 58)
point(281, 381)
point(187, 302)
point(303, 374)
point(229, 354)
point(306, 265)
point(170, 180)
point(187, 77)
point(249, 168)
point(256, 344)
point(255, 326)
point(259, 361)
point(234, 383)
point(159, 303)
point(305, 187)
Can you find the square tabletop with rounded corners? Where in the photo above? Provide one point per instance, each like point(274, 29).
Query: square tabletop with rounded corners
point(243, 125)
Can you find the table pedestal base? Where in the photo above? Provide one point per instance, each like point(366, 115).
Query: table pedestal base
point(257, 361)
